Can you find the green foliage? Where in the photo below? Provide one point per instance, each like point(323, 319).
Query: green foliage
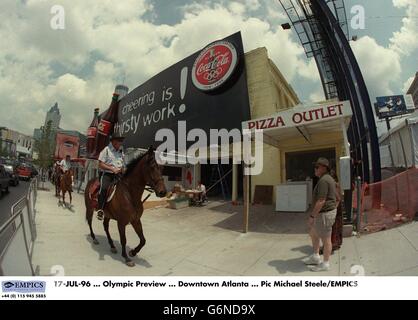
point(45, 148)
point(3, 151)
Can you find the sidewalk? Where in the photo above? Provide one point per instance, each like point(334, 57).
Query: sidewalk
point(208, 241)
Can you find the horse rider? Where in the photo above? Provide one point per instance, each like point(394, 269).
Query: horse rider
point(111, 163)
point(65, 165)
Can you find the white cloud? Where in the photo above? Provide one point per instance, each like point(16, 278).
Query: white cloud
point(405, 41)
point(275, 13)
point(123, 43)
point(252, 4)
point(317, 96)
point(380, 66)
point(237, 8)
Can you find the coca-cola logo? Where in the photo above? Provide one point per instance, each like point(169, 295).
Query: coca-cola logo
point(91, 132)
point(214, 65)
point(104, 127)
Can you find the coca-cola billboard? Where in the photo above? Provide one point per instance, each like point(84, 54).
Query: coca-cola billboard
point(207, 90)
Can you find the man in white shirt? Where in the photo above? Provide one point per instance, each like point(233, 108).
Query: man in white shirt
point(201, 187)
point(111, 163)
point(65, 166)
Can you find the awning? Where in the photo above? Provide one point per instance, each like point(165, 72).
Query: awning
point(303, 121)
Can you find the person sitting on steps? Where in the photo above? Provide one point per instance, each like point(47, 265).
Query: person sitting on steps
point(111, 163)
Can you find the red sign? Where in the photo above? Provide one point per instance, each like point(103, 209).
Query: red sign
point(214, 65)
point(91, 132)
point(104, 127)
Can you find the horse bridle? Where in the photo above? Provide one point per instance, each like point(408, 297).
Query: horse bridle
point(151, 188)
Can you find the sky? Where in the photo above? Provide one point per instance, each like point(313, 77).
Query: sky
point(105, 42)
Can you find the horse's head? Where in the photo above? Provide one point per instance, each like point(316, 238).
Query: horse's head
point(152, 174)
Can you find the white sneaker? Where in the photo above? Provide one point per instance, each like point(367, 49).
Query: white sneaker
point(320, 267)
point(312, 260)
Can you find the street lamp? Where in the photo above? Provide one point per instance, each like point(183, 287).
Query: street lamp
point(286, 26)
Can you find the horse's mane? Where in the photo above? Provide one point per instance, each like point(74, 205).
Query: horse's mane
point(133, 163)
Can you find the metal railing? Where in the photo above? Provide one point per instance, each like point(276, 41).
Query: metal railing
point(19, 232)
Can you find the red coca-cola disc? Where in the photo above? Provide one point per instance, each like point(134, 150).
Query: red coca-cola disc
point(214, 65)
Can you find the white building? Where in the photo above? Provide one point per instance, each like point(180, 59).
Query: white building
point(24, 143)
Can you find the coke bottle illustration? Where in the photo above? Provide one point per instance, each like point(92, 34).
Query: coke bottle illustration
point(106, 124)
point(91, 134)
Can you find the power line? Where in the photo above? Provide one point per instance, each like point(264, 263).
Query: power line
point(385, 17)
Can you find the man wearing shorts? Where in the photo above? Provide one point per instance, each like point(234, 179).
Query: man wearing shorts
point(322, 216)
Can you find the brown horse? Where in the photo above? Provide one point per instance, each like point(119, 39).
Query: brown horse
point(126, 205)
point(66, 185)
point(57, 179)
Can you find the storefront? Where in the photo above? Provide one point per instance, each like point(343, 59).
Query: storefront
point(248, 89)
point(299, 136)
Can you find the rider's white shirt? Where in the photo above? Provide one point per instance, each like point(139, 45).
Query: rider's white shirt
point(65, 165)
point(113, 157)
point(201, 188)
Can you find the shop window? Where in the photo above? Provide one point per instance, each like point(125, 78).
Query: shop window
point(173, 173)
point(300, 165)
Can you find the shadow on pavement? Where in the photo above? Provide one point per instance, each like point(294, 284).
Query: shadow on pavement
point(304, 249)
point(291, 265)
point(103, 249)
point(262, 219)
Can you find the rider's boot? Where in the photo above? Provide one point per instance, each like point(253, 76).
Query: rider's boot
point(102, 202)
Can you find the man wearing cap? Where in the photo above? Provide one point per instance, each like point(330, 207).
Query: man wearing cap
point(322, 216)
point(111, 163)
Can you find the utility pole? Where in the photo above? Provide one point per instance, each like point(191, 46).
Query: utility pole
point(388, 123)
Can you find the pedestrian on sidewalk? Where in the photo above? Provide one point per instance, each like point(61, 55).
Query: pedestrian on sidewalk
point(322, 216)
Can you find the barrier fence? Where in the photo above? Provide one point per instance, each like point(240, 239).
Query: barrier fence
point(388, 203)
point(18, 234)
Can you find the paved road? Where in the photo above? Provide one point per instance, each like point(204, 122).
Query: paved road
point(208, 242)
point(6, 203)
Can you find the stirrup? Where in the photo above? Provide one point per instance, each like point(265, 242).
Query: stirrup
point(100, 214)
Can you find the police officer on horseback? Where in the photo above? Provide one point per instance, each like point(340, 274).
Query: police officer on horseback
point(65, 165)
point(111, 164)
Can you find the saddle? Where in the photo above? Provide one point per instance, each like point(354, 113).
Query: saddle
point(94, 193)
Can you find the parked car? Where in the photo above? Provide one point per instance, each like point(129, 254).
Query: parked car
point(4, 180)
point(13, 174)
point(25, 172)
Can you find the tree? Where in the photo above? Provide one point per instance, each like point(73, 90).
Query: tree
point(4, 152)
point(45, 149)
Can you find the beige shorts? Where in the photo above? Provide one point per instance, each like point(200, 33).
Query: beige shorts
point(323, 224)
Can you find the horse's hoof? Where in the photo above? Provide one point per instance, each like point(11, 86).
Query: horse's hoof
point(95, 241)
point(130, 263)
point(132, 253)
point(113, 250)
